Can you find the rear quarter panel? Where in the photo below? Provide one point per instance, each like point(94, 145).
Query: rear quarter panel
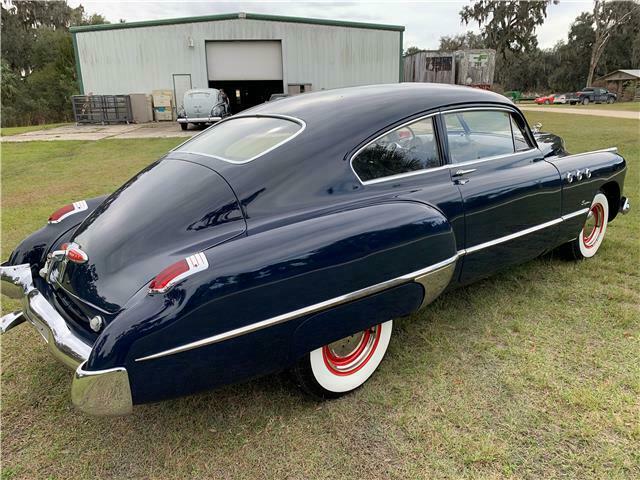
point(271, 273)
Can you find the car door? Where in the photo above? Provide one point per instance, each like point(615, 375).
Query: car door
point(511, 196)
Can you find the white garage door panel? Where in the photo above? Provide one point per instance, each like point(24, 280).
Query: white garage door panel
point(244, 60)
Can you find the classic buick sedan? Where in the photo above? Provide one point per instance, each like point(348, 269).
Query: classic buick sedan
point(290, 237)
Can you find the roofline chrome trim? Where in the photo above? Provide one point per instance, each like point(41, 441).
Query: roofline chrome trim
point(317, 307)
point(442, 167)
point(349, 297)
point(300, 122)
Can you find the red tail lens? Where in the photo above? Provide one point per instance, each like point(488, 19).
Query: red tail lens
point(178, 271)
point(61, 212)
point(76, 255)
point(161, 282)
point(67, 210)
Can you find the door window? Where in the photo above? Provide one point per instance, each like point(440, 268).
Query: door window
point(477, 134)
point(409, 148)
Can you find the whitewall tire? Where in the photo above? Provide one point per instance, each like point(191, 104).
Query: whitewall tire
point(344, 365)
point(593, 231)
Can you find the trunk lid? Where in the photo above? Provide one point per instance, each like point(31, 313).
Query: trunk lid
point(170, 210)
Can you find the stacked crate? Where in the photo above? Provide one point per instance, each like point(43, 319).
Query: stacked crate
point(162, 105)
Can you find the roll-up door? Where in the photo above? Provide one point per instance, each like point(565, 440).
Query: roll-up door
point(244, 60)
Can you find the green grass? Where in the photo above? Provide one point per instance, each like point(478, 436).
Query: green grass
point(7, 131)
point(533, 373)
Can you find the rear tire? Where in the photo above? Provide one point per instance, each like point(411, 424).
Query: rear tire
point(585, 101)
point(184, 126)
point(342, 366)
point(546, 102)
point(593, 231)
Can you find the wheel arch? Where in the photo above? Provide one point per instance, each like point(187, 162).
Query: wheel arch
point(612, 191)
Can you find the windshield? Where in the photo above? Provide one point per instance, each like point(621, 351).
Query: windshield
point(242, 139)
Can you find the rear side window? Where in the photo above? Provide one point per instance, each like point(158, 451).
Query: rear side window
point(478, 134)
point(409, 148)
point(242, 139)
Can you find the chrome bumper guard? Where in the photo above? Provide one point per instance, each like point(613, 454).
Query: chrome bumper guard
point(103, 392)
point(625, 205)
point(199, 119)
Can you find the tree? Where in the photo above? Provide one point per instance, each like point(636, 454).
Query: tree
point(607, 18)
point(411, 51)
point(38, 64)
point(462, 41)
point(507, 26)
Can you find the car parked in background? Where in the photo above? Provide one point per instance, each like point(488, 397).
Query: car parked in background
point(203, 105)
point(560, 98)
point(592, 95)
point(545, 99)
point(277, 96)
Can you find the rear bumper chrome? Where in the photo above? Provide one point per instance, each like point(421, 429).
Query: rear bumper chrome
point(199, 119)
point(625, 205)
point(92, 391)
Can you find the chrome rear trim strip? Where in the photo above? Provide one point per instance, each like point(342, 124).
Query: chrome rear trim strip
point(317, 307)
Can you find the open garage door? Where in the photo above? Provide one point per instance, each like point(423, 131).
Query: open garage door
point(249, 71)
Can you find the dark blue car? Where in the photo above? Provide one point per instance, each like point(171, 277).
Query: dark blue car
point(290, 236)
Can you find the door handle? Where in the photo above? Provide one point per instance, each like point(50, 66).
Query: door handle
point(459, 173)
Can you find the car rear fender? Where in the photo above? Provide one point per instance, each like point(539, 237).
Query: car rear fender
point(34, 248)
point(259, 289)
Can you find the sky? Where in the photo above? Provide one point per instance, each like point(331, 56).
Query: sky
point(425, 21)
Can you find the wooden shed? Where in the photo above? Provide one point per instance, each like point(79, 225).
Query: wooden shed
point(625, 83)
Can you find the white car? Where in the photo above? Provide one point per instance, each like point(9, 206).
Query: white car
point(203, 105)
point(560, 98)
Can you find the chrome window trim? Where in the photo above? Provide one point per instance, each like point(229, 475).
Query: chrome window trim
point(441, 113)
point(349, 297)
point(398, 175)
point(300, 122)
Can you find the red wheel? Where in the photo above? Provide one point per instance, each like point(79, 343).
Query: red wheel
point(344, 365)
point(593, 230)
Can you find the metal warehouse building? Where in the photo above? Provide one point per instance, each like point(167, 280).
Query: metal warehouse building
point(250, 56)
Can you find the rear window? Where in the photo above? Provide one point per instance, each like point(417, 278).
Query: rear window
point(242, 139)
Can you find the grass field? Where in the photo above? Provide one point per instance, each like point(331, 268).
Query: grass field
point(534, 373)
point(7, 131)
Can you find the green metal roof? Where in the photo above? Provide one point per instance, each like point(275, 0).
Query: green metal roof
point(231, 16)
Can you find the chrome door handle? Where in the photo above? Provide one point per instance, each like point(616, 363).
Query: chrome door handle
point(459, 173)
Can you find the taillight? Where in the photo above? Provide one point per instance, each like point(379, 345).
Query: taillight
point(178, 271)
point(67, 210)
point(76, 255)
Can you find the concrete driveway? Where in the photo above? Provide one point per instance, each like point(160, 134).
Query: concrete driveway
point(585, 111)
point(99, 132)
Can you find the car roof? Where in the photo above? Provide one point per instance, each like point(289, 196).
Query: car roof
point(195, 90)
point(375, 103)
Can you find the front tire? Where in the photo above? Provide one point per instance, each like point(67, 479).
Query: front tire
point(184, 126)
point(546, 102)
point(343, 366)
point(610, 100)
point(593, 231)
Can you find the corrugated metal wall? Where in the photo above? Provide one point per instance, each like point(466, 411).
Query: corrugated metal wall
point(139, 60)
